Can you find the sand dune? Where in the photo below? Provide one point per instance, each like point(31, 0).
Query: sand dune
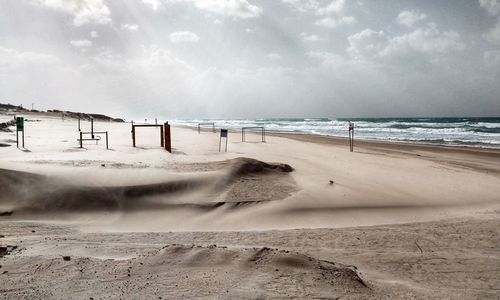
point(189, 271)
point(29, 192)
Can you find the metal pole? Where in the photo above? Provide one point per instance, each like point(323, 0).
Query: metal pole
point(352, 148)
point(107, 140)
point(81, 141)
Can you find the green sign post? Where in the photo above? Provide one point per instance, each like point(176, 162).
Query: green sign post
point(19, 127)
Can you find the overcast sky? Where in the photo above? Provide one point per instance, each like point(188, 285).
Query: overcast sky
point(252, 58)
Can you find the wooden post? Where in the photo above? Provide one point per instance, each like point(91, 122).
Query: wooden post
point(107, 140)
point(168, 141)
point(133, 135)
point(81, 141)
point(162, 137)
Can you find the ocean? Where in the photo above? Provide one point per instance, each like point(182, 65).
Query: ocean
point(473, 132)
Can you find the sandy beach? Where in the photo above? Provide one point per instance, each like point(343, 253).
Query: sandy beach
point(298, 216)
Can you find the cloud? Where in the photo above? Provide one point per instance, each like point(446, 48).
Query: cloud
point(155, 57)
point(154, 4)
point(311, 37)
point(235, 8)
point(12, 59)
point(424, 40)
point(492, 7)
point(334, 15)
point(274, 56)
point(409, 18)
point(491, 60)
point(333, 23)
point(327, 59)
point(335, 7)
point(303, 5)
point(94, 34)
point(83, 11)
point(81, 43)
point(184, 37)
point(130, 27)
point(369, 44)
point(493, 35)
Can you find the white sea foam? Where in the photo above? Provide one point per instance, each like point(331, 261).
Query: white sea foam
point(479, 132)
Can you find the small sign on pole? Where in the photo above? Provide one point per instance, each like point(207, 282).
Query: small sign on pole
point(351, 136)
point(19, 127)
point(223, 134)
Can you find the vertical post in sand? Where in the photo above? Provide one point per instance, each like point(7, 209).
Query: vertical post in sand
point(79, 124)
point(133, 134)
point(107, 140)
point(351, 136)
point(162, 137)
point(81, 141)
point(19, 127)
point(223, 134)
point(168, 141)
point(92, 127)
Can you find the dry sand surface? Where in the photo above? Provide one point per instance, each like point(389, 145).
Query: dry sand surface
point(263, 220)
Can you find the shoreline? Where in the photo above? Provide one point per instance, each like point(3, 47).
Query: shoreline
point(343, 141)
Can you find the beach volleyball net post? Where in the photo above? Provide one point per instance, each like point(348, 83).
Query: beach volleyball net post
point(351, 136)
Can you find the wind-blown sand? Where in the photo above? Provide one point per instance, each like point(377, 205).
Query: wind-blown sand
point(398, 220)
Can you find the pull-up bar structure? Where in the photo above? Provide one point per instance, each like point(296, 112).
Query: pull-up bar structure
point(165, 139)
point(205, 124)
point(92, 133)
point(244, 129)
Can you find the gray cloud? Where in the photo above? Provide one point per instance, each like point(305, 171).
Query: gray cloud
point(252, 58)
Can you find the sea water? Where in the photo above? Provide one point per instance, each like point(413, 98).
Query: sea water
point(475, 132)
